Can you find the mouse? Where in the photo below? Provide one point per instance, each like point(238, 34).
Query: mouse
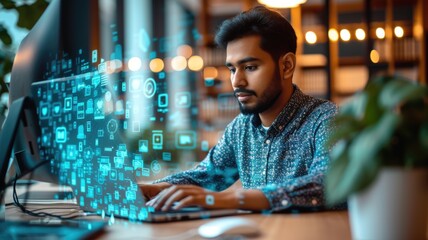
point(229, 226)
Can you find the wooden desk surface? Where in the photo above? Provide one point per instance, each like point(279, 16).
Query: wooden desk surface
point(321, 225)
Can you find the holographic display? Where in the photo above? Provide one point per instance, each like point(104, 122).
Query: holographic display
point(123, 111)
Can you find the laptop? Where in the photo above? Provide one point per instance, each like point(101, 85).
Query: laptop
point(98, 142)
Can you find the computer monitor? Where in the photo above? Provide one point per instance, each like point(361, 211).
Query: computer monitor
point(141, 43)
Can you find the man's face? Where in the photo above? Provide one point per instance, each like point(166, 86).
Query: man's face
point(254, 75)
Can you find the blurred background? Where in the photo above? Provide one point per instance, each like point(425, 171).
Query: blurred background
point(341, 45)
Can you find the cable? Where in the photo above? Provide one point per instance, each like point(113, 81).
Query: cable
point(13, 180)
point(34, 213)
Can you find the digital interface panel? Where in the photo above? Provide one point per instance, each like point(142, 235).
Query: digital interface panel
point(116, 117)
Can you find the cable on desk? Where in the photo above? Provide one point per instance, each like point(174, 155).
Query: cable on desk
point(13, 180)
point(34, 213)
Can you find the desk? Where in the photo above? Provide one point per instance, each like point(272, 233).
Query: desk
point(321, 225)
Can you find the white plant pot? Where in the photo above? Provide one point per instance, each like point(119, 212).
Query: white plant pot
point(395, 206)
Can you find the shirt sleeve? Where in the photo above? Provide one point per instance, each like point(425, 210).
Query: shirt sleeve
point(217, 171)
point(306, 191)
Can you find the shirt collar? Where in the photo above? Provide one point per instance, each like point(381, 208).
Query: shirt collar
point(287, 113)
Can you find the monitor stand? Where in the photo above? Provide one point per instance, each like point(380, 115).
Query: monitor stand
point(7, 139)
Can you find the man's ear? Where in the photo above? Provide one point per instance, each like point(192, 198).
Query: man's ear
point(288, 64)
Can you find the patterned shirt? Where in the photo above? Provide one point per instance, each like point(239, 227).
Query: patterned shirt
point(287, 162)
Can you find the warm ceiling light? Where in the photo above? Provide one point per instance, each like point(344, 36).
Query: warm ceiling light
point(179, 63)
point(345, 35)
point(360, 34)
point(185, 51)
point(195, 63)
point(374, 56)
point(134, 64)
point(311, 37)
point(333, 35)
point(282, 4)
point(380, 33)
point(399, 31)
point(156, 65)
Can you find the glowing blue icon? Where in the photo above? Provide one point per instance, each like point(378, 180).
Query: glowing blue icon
point(94, 56)
point(185, 139)
point(118, 162)
point(136, 84)
point(145, 172)
point(61, 135)
point(99, 109)
point(104, 166)
point(138, 162)
point(112, 127)
point(119, 110)
point(80, 110)
point(209, 82)
point(143, 145)
point(205, 146)
point(68, 104)
point(56, 109)
point(143, 40)
point(44, 110)
point(96, 80)
point(163, 100)
point(131, 195)
point(80, 132)
point(102, 68)
point(88, 154)
point(149, 87)
point(88, 90)
point(89, 106)
point(183, 99)
point(113, 174)
point(155, 166)
point(100, 133)
point(91, 192)
point(124, 87)
point(157, 139)
point(71, 152)
point(166, 156)
point(162, 75)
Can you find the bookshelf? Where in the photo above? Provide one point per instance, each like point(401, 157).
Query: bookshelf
point(349, 64)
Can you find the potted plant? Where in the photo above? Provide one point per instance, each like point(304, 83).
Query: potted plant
point(379, 160)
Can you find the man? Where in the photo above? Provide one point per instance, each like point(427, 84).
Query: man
point(276, 146)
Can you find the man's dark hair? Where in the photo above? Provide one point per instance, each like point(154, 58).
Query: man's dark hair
point(277, 35)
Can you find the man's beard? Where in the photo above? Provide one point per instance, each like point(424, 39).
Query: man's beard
point(265, 101)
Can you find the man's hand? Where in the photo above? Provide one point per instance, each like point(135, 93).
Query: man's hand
point(178, 196)
point(165, 196)
point(151, 190)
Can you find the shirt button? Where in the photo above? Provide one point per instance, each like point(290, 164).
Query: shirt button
point(280, 127)
point(284, 202)
point(267, 141)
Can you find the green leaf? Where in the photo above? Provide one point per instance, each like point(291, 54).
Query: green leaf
point(336, 172)
point(398, 91)
point(423, 135)
point(355, 106)
point(8, 4)
point(369, 142)
point(363, 156)
point(29, 14)
point(5, 36)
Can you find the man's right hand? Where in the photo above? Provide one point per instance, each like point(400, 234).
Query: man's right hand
point(151, 190)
